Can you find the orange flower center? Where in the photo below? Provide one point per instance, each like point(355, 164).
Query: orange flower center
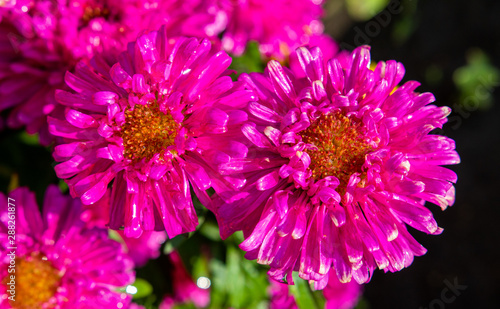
point(95, 11)
point(36, 281)
point(147, 131)
point(340, 147)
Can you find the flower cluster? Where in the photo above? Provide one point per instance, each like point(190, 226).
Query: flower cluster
point(43, 39)
point(275, 24)
point(322, 161)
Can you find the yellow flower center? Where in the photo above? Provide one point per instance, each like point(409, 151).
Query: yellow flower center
point(36, 281)
point(94, 11)
point(340, 147)
point(147, 131)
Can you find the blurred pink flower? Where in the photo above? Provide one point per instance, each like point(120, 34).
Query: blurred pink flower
point(279, 26)
point(341, 160)
point(341, 295)
point(41, 40)
point(184, 288)
point(60, 263)
point(144, 248)
point(280, 296)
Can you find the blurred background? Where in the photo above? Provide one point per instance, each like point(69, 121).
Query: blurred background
point(453, 48)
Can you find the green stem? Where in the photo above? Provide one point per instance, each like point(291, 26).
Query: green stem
point(314, 297)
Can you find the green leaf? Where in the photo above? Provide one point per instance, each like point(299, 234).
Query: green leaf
point(174, 243)
point(237, 283)
point(185, 306)
point(362, 10)
point(210, 230)
point(63, 186)
point(476, 81)
point(14, 182)
point(250, 61)
point(236, 286)
point(362, 304)
point(29, 139)
point(219, 291)
point(200, 267)
point(112, 234)
point(144, 288)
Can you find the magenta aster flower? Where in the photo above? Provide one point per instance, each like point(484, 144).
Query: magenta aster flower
point(279, 26)
point(339, 166)
point(41, 40)
point(185, 289)
point(59, 262)
point(150, 127)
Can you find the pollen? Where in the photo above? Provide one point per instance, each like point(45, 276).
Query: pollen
point(36, 282)
point(95, 11)
point(339, 147)
point(147, 131)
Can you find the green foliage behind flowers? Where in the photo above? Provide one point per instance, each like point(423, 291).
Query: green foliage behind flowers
point(477, 80)
point(250, 61)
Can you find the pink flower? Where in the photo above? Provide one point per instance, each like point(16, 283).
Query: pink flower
point(184, 288)
point(144, 248)
point(150, 125)
point(280, 296)
point(279, 26)
point(341, 295)
point(339, 165)
point(41, 40)
point(59, 262)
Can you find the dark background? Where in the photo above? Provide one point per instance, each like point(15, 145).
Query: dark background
point(442, 34)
